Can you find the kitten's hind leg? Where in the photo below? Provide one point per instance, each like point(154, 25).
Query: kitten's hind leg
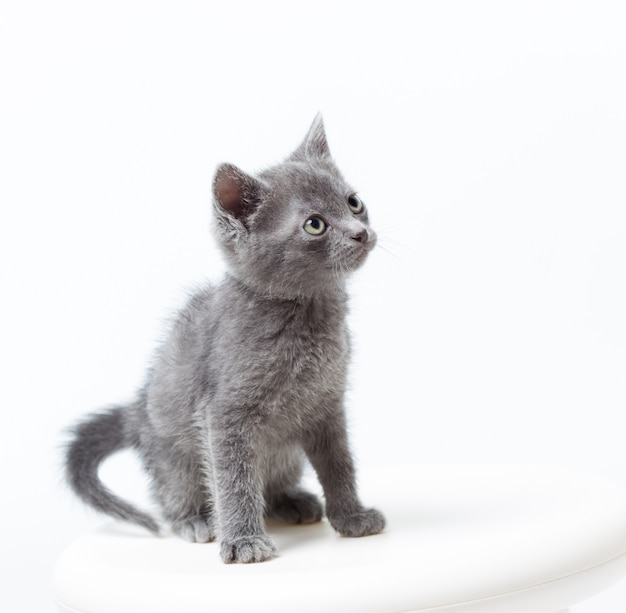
point(196, 528)
point(284, 499)
point(297, 507)
point(191, 519)
point(179, 485)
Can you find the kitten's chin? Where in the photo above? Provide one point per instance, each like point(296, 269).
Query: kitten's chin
point(359, 256)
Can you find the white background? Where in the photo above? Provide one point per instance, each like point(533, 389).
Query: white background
point(487, 139)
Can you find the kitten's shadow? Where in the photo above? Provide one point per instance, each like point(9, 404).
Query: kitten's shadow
point(289, 535)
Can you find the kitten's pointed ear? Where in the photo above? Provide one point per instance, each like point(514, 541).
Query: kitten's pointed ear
point(314, 145)
point(236, 192)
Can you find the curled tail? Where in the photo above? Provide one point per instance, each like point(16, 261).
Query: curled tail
point(94, 439)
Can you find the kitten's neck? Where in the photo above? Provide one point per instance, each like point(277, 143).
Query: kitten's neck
point(335, 298)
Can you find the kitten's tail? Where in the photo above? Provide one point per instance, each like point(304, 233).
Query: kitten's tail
point(94, 439)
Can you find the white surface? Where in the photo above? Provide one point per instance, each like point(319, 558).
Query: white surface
point(488, 539)
point(486, 138)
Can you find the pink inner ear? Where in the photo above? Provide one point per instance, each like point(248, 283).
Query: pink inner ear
point(229, 194)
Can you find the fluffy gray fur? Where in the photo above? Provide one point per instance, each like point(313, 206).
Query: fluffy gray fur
point(251, 379)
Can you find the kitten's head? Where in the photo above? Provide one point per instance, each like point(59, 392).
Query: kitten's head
point(296, 229)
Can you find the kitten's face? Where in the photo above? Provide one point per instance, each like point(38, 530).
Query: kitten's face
point(298, 229)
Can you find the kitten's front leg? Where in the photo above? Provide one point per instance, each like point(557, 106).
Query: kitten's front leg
point(240, 503)
point(327, 449)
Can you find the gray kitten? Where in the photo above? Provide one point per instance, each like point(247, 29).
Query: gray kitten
point(251, 379)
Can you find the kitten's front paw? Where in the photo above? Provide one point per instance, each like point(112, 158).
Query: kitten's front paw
point(248, 549)
point(197, 529)
point(363, 523)
point(297, 508)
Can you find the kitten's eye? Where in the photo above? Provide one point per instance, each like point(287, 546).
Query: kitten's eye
point(315, 225)
point(355, 204)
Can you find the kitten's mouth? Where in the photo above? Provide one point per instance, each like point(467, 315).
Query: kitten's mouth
point(359, 254)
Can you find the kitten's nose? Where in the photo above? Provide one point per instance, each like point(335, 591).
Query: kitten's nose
point(360, 236)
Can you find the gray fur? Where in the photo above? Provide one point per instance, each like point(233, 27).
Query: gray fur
point(251, 379)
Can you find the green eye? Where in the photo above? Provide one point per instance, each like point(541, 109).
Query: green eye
point(355, 204)
point(315, 225)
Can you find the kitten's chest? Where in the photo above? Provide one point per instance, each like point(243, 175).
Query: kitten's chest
point(308, 350)
point(308, 367)
point(289, 359)
point(309, 354)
